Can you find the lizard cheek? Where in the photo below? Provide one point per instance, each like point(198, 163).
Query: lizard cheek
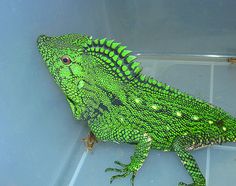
point(80, 84)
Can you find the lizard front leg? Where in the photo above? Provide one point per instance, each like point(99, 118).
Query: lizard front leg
point(126, 135)
point(90, 140)
point(180, 146)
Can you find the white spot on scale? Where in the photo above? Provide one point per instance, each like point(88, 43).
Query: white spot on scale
point(149, 139)
point(195, 118)
point(145, 134)
point(178, 113)
point(154, 107)
point(210, 122)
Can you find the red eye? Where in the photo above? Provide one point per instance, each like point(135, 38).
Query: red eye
point(66, 60)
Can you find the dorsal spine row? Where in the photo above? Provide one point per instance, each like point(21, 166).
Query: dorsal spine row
point(115, 57)
point(121, 63)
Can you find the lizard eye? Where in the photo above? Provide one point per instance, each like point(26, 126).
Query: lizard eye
point(66, 60)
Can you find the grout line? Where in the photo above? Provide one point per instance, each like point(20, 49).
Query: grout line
point(158, 60)
point(211, 101)
point(207, 166)
point(185, 57)
point(211, 83)
point(220, 147)
point(78, 168)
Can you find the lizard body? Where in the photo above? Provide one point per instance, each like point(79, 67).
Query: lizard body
point(103, 84)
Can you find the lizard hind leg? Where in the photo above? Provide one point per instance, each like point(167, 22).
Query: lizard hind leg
point(180, 146)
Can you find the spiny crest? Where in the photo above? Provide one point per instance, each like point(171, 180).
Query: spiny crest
point(115, 57)
point(121, 63)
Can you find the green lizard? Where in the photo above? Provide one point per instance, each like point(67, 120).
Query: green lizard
point(103, 84)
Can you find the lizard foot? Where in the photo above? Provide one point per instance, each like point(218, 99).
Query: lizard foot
point(184, 184)
point(89, 141)
point(192, 184)
point(124, 171)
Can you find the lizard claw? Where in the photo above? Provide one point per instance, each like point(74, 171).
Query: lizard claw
point(125, 171)
point(118, 176)
point(182, 184)
point(113, 169)
point(120, 164)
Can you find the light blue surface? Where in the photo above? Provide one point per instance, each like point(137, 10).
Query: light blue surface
point(181, 27)
point(38, 136)
point(40, 142)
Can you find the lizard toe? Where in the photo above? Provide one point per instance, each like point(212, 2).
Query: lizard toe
point(125, 171)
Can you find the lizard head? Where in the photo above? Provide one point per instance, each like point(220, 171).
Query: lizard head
point(91, 73)
point(63, 57)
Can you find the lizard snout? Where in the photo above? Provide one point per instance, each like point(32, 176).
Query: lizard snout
point(42, 38)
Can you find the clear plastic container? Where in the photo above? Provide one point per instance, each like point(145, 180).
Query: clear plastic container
point(183, 43)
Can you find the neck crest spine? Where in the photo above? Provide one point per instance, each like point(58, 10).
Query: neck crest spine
point(114, 56)
point(121, 63)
